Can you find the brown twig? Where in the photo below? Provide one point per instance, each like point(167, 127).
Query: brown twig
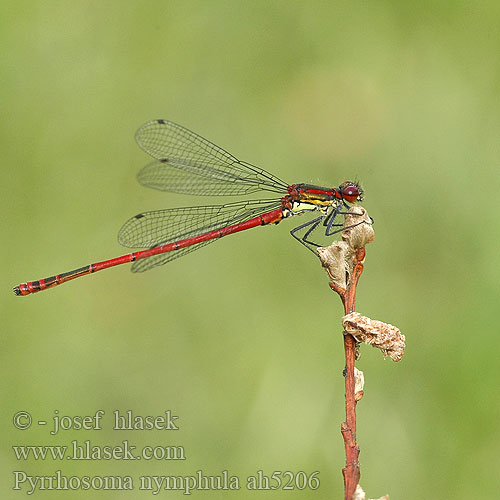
point(344, 263)
point(351, 471)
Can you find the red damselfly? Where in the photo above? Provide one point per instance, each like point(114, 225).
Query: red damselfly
point(187, 163)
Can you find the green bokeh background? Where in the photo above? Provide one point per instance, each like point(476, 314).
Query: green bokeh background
point(243, 340)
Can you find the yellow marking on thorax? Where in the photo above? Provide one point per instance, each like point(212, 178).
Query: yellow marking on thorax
point(299, 208)
point(315, 199)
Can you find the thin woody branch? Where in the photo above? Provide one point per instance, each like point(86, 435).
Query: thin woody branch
point(344, 263)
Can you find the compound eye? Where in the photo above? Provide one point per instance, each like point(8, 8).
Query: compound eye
point(350, 193)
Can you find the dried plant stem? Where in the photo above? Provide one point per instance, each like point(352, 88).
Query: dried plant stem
point(343, 261)
point(351, 471)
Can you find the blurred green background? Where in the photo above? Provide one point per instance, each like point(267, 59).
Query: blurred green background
point(242, 340)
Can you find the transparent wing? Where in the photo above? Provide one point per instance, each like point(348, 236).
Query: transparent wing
point(151, 229)
point(189, 164)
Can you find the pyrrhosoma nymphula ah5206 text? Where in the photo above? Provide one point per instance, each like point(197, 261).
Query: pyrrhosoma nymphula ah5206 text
point(187, 163)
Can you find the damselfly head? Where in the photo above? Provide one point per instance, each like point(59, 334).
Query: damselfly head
point(351, 191)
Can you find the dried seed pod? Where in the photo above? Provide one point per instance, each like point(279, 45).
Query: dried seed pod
point(359, 494)
point(338, 258)
point(334, 259)
point(386, 337)
point(358, 230)
point(359, 383)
